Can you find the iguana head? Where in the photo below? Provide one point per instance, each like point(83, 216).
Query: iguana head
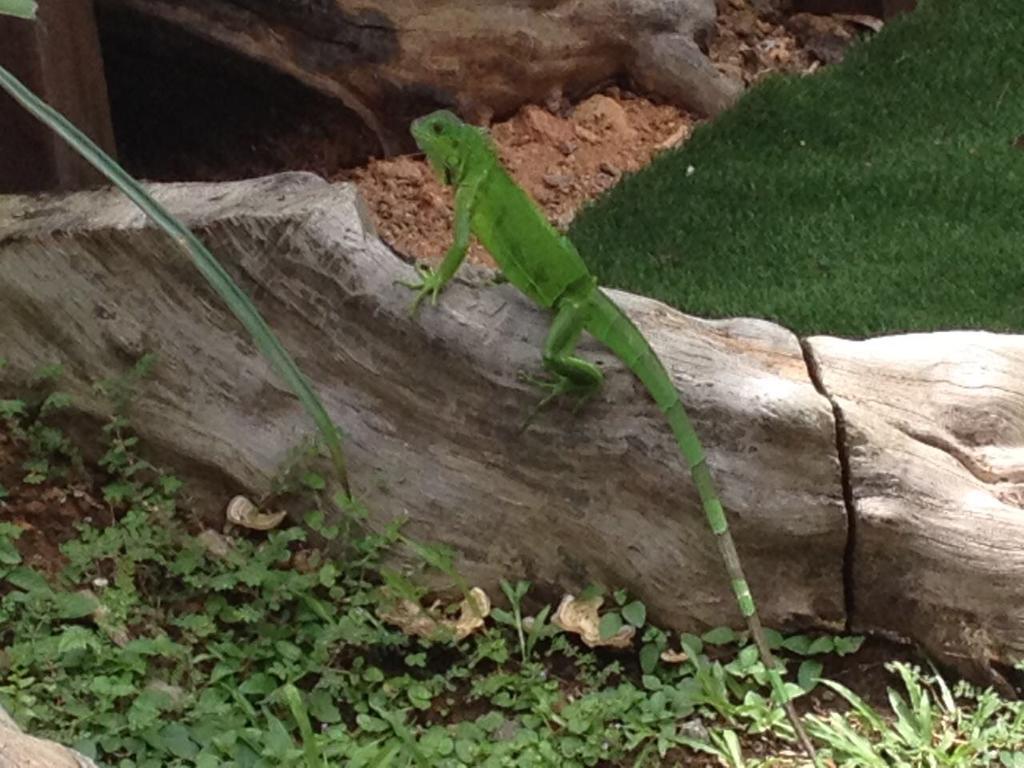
point(448, 142)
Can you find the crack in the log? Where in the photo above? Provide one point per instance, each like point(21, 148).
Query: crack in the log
point(843, 454)
point(972, 466)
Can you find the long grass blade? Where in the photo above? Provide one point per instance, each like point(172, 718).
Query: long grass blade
point(204, 261)
point(23, 9)
point(310, 744)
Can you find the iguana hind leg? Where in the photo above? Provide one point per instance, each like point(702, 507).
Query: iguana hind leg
point(572, 375)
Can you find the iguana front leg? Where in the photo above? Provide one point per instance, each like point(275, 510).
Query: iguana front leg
point(433, 281)
point(572, 375)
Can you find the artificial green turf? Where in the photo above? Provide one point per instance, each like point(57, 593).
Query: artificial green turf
point(884, 194)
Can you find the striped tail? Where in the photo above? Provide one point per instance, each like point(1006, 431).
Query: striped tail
point(613, 328)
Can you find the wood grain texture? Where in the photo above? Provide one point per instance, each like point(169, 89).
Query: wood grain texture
point(935, 440)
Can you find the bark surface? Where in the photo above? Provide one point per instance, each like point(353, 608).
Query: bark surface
point(934, 435)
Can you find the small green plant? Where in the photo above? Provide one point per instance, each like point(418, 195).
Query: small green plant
point(528, 630)
point(631, 613)
point(31, 418)
point(150, 648)
point(931, 725)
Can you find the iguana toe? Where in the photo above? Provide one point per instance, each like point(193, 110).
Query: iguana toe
point(430, 284)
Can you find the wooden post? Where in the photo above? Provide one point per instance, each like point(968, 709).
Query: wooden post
point(58, 57)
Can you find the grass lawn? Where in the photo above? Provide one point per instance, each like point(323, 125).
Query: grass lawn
point(885, 194)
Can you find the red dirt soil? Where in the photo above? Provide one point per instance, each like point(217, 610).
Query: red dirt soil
point(46, 513)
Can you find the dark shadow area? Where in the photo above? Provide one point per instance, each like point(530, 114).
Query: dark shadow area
point(184, 109)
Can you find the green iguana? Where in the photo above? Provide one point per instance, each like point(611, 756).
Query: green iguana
point(546, 266)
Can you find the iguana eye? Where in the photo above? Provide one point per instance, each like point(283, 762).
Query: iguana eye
point(438, 128)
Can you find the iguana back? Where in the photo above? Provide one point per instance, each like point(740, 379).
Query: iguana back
point(532, 254)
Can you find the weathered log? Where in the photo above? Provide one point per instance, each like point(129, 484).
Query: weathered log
point(391, 61)
point(934, 430)
point(432, 406)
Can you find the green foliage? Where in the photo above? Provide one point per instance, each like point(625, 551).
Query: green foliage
point(931, 725)
point(170, 655)
point(528, 631)
point(846, 202)
point(32, 420)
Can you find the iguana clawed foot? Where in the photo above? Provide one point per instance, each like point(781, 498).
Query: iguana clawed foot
point(558, 386)
point(430, 285)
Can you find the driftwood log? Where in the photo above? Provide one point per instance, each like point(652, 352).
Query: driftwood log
point(871, 485)
point(391, 61)
point(432, 406)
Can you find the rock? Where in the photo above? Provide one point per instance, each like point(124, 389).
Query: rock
point(603, 115)
point(934, 431)
point(587, 135)
point(562, 221)
point(671, 65)
point(407, 169)
point(676, 138)
point(433, 404)
point(215, 544)
point(393, 60)
point(559, 181)
point(174, 695)
point(745, 23)
point(545, 126)
point(771, 9)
